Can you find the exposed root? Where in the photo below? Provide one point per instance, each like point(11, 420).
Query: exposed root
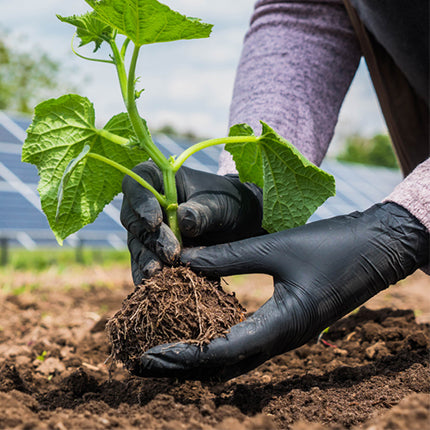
point(175, 305)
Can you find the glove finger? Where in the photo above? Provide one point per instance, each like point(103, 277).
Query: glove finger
point(141, 202)
point(206, 213)
point(245, 256)
point(247, 345)
point(154, 366)
point(133, 222)
point(144, 263)
point(161, 241)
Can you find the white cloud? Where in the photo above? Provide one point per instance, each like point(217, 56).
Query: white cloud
point(222, 10)
point(186, 121)
point(189, 86)
point(361, 109)
point(360, 112)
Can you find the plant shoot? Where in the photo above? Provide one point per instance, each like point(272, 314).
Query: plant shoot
point(81, 167)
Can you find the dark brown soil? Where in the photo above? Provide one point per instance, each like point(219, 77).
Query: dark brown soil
point(370, 371)
point(175, 305)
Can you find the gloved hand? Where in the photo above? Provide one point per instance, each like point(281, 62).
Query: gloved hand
point(213, 209)
point(321, 271)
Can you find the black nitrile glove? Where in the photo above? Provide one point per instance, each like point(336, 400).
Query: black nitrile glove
point(321, 271)
point(213, 209)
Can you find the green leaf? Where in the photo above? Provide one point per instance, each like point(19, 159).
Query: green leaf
point(293, 187)
point(89, 28)
point(42, 356)
point(246, 155)
point(60, 130)
point(148, 21)
point(66, 176)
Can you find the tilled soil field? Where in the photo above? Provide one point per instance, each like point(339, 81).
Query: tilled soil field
point(370, 371)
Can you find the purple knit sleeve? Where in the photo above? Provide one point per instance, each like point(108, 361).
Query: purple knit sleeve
point(413, 193)
point(297, 63)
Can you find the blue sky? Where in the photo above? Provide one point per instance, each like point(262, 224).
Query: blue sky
point(187, 84)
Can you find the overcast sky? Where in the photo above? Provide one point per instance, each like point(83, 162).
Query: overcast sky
point(188, 83)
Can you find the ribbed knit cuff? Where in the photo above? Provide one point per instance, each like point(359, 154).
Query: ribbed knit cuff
point(413, 193)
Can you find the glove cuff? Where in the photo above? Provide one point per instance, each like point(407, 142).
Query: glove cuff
point(412, 235)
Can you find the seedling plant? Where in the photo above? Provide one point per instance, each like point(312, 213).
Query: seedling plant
point(81, 167)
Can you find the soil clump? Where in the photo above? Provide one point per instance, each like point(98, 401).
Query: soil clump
point(175, 305)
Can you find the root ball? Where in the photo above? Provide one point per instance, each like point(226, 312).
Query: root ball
point(175, 305)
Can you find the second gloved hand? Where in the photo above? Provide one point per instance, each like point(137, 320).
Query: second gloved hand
point(321, 271)
point(212, 209)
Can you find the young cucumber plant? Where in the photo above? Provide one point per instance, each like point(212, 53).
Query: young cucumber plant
point(81, 167)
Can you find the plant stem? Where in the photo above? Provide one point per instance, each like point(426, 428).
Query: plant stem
point(206, 144)
point(138, 125)
point(124, 47)
point(112, 137)
point(172, 201)
point(160, 198)
point(157, 156)
point(120, 68)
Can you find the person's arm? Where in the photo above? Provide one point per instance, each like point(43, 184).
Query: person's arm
point(413, 193)
point(297, 63)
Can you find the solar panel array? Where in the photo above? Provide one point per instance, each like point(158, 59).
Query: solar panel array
point(23, 223)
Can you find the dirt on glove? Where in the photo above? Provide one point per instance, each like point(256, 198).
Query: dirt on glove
point(175, 305)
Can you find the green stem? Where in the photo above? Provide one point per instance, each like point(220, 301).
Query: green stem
point(206, 144)
point(114, 138)
point(124, 47)
point(172, 202)
point(138, 125)
point(120, 68)
point(160, 198)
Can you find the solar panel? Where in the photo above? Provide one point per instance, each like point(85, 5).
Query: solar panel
point(15, 213)
point(357, 187)
point(26, 172)
point(23, 223)
point(6, 136)
point(200, 161)
point(22, 122)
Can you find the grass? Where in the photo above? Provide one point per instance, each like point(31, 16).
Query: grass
point(43, 259)
point(40, 270)
point(44, 268)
